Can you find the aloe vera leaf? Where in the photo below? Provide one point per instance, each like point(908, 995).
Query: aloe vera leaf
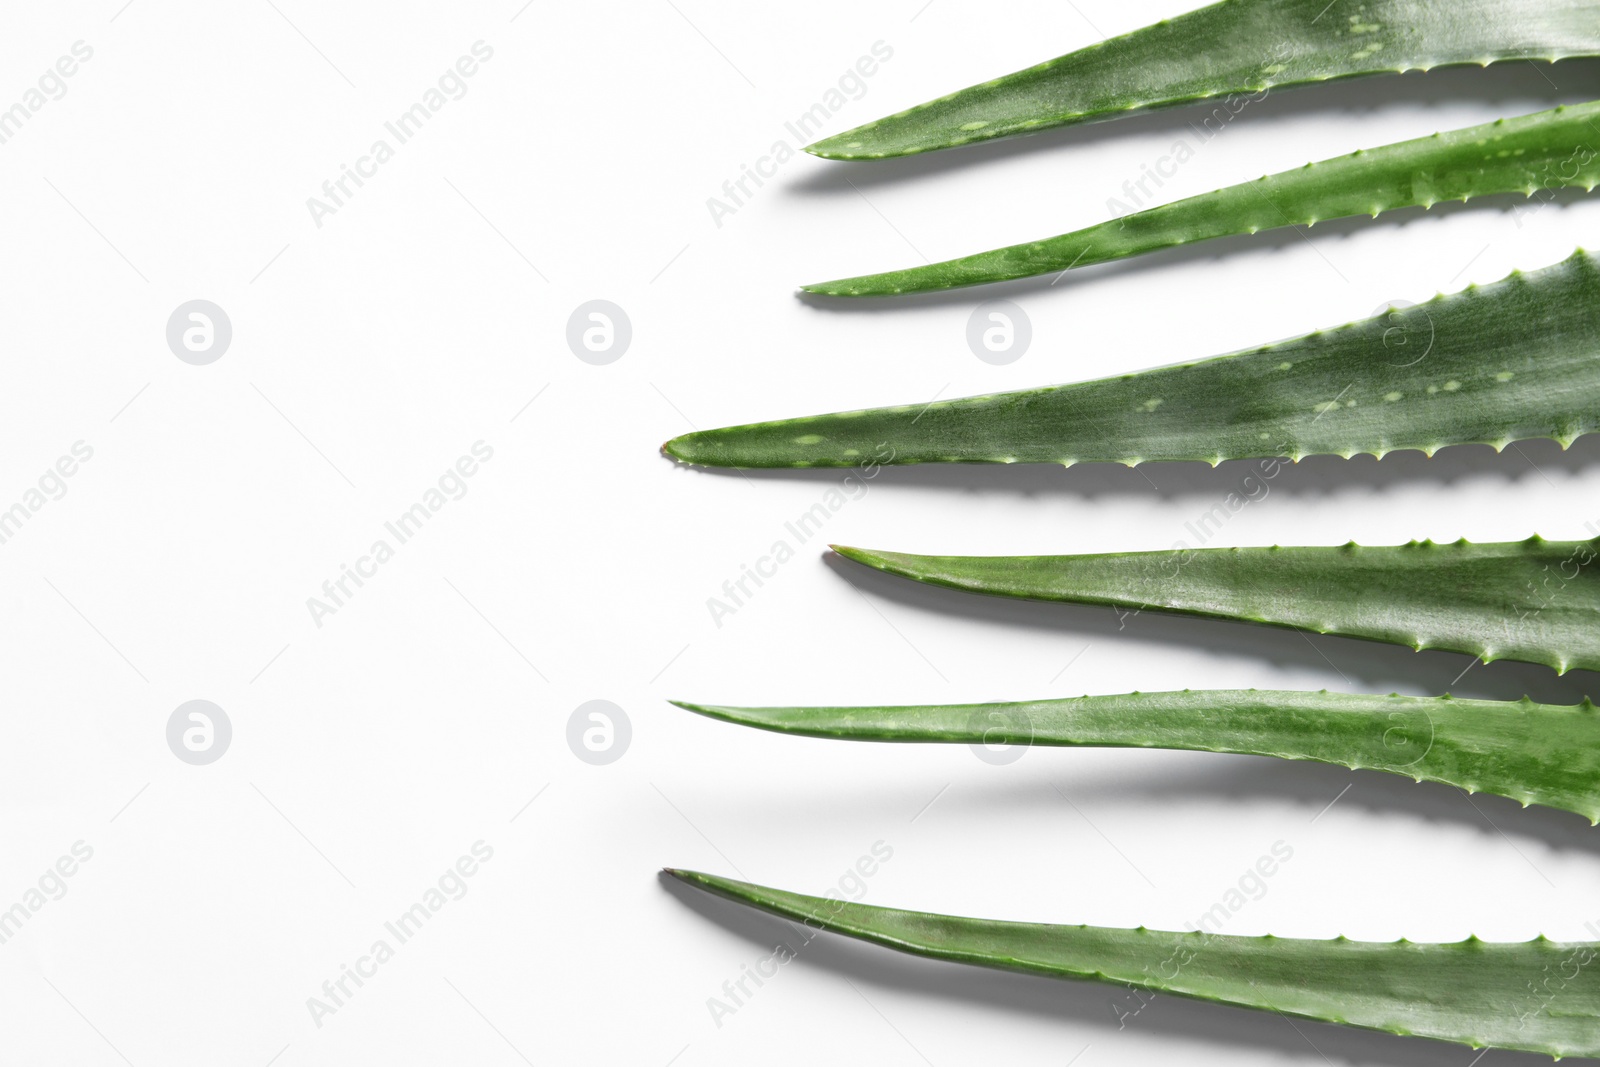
point(1233, 48)
point(1533, 996)
point(1513, 360)
point(1545, 754)
point(1546, 150)
point(1536, 601)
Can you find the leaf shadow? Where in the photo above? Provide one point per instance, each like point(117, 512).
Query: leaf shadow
point(1319, 786)
point(1174, 780)
point(1076, 1003)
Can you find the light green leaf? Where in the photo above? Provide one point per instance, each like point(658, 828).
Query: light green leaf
point(1536, 601)
point(1494, 364)
point(1548, 150)
point(1534, 996)
point(1545, 754)
point(1238, 50)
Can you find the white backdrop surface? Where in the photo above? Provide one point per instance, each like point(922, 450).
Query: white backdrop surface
point(416, 728)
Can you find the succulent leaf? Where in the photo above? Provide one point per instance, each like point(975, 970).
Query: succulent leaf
point(1238, 48)
point(1535, 601)
point(1544, 754)
point(1533, 996)
point(1547, 150)
point(1514, 360)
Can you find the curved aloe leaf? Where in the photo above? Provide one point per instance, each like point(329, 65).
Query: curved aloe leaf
point(1545, 754)
point(1536, 601)
point(1233, 48)
point(1547, 150)
point(1534, 996)
point(1505, 362)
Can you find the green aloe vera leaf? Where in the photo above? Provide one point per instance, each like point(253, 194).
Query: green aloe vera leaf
point(1545, 754)
point(1238, 48)
point(1533, 996)
point(1547, 150)
point(1536, 601)
point(1514, 360)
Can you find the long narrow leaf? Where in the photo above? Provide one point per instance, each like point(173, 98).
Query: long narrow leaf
point(1494, 364)
point(1536, 601)
point(1534, 996)
point(1547, 150)
point(1240, 48)
point(1545, 754)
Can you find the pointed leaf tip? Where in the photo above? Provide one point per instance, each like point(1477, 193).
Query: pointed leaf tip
point(834, 288)
point(710, 711)
point(888, 562)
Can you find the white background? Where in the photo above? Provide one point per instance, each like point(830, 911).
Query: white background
point(372, 351)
